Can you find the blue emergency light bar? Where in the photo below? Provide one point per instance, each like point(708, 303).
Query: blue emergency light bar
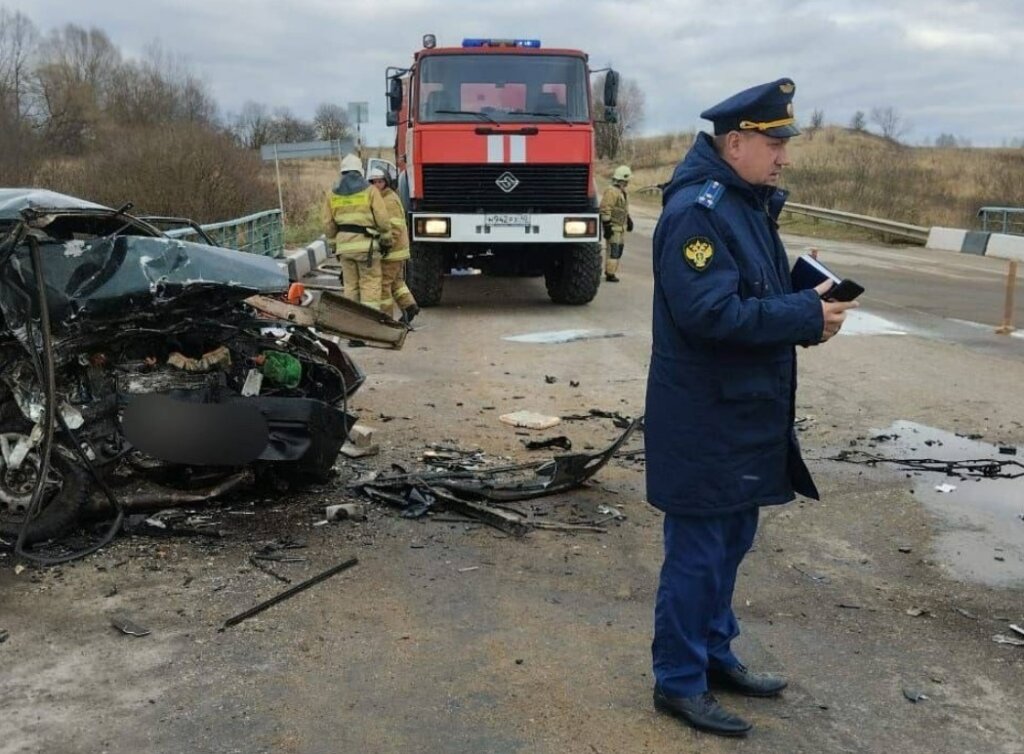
point(500, 42)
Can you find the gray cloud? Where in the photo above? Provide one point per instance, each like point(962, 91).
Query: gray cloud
point(948, 66)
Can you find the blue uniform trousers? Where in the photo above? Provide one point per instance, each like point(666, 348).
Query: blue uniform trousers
point(693, 618)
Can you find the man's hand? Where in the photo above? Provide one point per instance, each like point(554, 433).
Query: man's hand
point(832, 312)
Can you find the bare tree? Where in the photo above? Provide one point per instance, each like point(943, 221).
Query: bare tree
point(857, 122)
point(252, 126)
point(19, 154)
point(890, 122)
point(18, 39)
point(331, 121)
point(74, 72)
point(158, 90)
point(286, 128)
point(608, 137)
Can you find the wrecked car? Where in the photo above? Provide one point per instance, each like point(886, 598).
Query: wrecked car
point(164, 383)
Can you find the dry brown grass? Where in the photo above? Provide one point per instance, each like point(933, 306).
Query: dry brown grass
point(833, 168)
point(862, 173)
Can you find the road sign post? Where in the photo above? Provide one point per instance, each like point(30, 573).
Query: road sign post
point(359, 113)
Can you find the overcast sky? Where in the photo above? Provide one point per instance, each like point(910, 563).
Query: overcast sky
point(945, 65)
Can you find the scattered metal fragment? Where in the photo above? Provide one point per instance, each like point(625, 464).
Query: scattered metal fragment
point(260, 565)
point(4, 635)
point(550, 379)
point(1008, 640)
point(562, 336)
point(980, 468)
point(913, 695)
point(288, 593)
point(561, 441)
point(128, 627)
point(469, 568)
point(918, 612)
point(1016, 629)
point(966, 613)
point(945, 488)
point(812, 576)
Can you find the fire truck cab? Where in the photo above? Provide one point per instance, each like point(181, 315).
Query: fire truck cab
point(495, 151)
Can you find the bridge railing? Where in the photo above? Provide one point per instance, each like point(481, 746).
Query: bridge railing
point(260, 233)
point(1002, 220)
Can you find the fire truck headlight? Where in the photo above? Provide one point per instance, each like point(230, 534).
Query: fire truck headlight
point(438, 227)
point(579, 226)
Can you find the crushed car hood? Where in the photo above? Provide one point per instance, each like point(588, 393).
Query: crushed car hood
point(127, 274)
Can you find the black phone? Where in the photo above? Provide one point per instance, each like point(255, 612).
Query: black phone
point(847, 290)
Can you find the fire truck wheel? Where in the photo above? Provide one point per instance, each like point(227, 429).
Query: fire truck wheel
point(425, 275)
point(575, 276)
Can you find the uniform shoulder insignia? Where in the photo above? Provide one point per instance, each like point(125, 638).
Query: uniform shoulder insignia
point(698, 252)
point(709, 194)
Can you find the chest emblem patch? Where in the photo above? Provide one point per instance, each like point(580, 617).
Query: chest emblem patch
point(698, 252)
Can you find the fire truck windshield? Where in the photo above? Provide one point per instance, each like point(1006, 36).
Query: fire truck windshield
point(503, 88)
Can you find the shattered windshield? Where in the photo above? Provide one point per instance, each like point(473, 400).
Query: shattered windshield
point(503, 88)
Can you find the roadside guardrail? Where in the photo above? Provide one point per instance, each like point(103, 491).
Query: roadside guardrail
point(915, 233)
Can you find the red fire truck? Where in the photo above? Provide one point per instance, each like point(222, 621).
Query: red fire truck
point(495, 152)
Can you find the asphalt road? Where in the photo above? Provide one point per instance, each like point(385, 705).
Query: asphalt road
point(451, 637)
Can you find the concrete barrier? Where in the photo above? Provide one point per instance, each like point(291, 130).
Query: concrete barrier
point(302, 262)
point(946, 239)
point(1005, 246)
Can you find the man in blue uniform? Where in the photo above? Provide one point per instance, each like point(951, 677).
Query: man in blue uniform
point(721, 392)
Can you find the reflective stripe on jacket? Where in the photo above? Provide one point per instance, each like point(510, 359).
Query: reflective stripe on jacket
point(356, 204)
point(399, 232)
point(615, 211)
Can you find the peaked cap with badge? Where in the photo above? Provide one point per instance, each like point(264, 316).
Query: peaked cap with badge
point(766, 109)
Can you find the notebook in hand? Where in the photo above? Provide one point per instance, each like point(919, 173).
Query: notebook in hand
point(809, 272)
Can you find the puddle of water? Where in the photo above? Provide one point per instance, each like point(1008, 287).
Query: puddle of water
point(862, 323)
point(562, 336)
point(982, 534)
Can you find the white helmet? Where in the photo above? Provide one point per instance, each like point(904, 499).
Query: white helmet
point(376, 172)
point(351, 164)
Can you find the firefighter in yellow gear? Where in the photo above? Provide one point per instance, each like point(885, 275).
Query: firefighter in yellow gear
point(394, 289)
point(357, 220)
point(615, 220)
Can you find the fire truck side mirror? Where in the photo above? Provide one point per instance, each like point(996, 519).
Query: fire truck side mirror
point(611, 89)
point(394, 100)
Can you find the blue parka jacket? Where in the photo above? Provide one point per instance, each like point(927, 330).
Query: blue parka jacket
point(721, 389)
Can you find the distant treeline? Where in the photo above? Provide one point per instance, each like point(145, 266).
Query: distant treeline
point(76, 116)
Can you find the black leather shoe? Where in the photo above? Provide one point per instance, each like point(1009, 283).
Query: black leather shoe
point(702, 712)
point(612, 278)
point(741, 680)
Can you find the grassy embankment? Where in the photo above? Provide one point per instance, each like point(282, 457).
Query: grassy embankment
point(862, 173)
point(833, 168)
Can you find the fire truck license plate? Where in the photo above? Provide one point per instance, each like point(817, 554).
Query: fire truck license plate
point(507, 219)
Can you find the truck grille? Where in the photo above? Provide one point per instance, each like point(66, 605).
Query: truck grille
point(474, 188)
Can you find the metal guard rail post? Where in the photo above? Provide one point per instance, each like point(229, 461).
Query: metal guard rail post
point(260, 233)
point(890, 227)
